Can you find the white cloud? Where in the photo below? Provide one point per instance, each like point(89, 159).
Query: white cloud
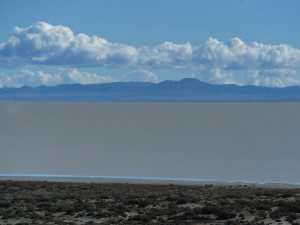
point(236, 54)
point(69, 76)
point(233, 61)
point(218, 76)
point(43, 43)
point(275, 78)
point(141, 76)
point(34, 79)
point(76, 76)
point(266, 77)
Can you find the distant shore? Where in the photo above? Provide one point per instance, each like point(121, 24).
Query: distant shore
point(142, 180)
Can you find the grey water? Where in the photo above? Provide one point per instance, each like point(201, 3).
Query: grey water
point(250, 142)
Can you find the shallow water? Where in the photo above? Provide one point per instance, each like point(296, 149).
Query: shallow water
point(257, 142)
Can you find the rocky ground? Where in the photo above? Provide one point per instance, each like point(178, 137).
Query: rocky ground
point(36, 202)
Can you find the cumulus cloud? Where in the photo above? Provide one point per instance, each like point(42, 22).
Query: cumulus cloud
point(43, 43)
point(266, 77)
point(141, 76)
point(76, 76)
point(69, 76)
point(275, 78)
point(236, 54)
point(232, 61)
point(34, 79)
point(218, 76)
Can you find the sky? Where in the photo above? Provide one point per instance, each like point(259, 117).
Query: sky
point(45, 42)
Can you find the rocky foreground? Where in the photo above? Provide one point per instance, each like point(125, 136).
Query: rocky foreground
point(34, 202)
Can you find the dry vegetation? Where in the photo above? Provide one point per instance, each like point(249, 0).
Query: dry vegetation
point(24, 202)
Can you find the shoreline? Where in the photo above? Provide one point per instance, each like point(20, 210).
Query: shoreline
point(142, 180)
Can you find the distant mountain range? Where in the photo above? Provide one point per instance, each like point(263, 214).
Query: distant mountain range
point(186, 90)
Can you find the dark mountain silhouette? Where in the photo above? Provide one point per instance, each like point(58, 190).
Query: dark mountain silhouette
point(188, 89)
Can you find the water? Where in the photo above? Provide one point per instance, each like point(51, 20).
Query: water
point(249, 142)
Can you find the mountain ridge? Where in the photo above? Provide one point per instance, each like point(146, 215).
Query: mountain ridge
point(187, 89)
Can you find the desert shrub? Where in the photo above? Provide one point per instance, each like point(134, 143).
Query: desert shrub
point(7, 215)
point(102, 214)
point(291, 217)
point(262, 215)
point(285, 206)
point(275, 215)
point(210, 209)
point(180, 201)
point(232, 222)
point(139, 218)
point(262, 205)
point(34, 216)
point(224, 215)
point(5, 205)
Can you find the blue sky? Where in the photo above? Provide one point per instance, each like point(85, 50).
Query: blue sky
point(220, 36)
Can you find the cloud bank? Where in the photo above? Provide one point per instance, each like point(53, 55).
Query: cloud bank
point(141, 76)
point(69, 76)
point(38, 78)
point(267, 77)
point(43, 43)
point(232, 61)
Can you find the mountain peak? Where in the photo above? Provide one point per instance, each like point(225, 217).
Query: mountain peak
point(190, 80)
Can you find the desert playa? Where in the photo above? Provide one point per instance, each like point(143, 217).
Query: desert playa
point(250, 142)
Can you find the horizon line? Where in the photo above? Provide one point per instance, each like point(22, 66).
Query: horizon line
point(155, 83)
point(147, 178)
